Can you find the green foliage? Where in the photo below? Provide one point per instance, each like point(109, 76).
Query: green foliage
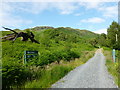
point(48, 77)
point(14, 74)
point(28, 31)
point(118, 43)
point(55, 44)
point(111, 34)
point(87, 34)
point(103, 38)
point(112, 38)
point(54, 72)
point(93, 42)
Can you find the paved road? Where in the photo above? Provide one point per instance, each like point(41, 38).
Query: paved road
point(93, 74)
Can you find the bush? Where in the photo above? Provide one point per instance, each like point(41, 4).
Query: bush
point(14, 74)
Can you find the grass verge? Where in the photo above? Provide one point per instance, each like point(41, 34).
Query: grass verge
point(113, 68)
point(54, 71)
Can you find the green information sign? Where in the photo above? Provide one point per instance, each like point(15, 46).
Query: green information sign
point(29, 55)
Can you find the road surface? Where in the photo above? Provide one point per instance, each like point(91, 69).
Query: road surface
point(92, 74)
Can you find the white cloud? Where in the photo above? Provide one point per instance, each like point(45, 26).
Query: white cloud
point(31, 7)
point(111, 11)
point(91, 5)
point(66, 8)
point(63, 7)
point(9, 20)
point(14, 21)
point(38, 7)
point(78, 14)
point(106, 11)
point(61, 1)
point(93, 20)
point(101, 31)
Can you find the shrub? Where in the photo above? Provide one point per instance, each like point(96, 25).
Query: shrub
point(14, 74)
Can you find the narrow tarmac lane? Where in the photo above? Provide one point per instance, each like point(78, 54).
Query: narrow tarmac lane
point(92, 74)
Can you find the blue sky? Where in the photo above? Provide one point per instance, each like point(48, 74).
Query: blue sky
point(93, 16)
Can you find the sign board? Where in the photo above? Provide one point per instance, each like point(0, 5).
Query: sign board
point(31, 52)
point(29, 55)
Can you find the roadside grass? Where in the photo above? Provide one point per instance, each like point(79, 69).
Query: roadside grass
point(113, 68)
point(53, 72)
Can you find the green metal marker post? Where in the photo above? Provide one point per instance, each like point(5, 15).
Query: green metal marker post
point(113, 55)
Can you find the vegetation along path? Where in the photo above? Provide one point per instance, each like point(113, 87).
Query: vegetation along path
point(92, 74)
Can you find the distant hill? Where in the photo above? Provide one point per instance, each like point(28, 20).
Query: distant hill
point(58, 34)
point(88, 34)
point(82, 33)
point(41, 28)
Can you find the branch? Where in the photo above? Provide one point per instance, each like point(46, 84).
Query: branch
point(10, 30)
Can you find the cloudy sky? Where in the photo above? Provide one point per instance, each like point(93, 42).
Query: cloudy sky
point(93, 16)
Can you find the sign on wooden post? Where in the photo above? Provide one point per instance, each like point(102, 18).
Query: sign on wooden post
point(29, 55)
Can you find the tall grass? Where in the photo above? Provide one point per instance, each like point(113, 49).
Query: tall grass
point(54, 71)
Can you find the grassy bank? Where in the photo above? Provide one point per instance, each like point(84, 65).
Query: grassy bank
point(113, 68)
point(54, 71)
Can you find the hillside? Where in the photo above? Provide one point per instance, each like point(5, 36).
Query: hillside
point(82, 33)
point(88, 34)
point(60, 38)
point(41, 28)
point(56, 44)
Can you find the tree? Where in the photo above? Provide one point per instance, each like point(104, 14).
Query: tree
point(119, 46)
point(102, 39)
point(118, 37)
point(93, 42)
point(111, 34)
